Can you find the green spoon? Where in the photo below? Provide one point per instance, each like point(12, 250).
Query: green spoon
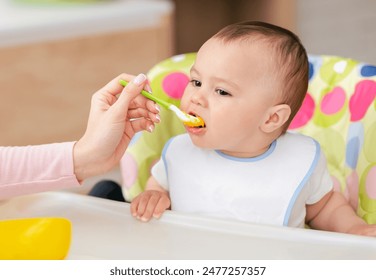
point(184, 117)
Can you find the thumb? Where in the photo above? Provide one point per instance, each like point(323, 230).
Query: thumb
point(129, 92)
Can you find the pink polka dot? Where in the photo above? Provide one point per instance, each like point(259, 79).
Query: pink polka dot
point(365, 93)
point(371, 183)
point(352, 182)
point(305, 113)
point(333, 101)
point(129, 170)
point(174, 84)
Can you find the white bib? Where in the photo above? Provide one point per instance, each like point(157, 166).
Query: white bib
point(262, 189)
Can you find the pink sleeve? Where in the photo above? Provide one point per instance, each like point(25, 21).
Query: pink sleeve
point(30, 169)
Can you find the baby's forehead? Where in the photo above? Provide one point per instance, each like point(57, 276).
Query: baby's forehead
point(252, 50)
point(247, 44)
point(245, 54)
point(251, 60)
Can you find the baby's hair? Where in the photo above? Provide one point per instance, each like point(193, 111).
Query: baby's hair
point(290, 57)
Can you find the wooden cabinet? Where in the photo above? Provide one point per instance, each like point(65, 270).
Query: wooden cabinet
point(46, 83)
point(197, 20)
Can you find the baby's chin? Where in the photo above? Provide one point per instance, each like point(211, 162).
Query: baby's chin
point(201, 143)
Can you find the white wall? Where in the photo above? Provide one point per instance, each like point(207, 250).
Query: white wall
point(338, 27)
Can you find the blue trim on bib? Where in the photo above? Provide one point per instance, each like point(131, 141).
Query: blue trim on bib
point(251, 159)
point(302, 184)
point(164, 151)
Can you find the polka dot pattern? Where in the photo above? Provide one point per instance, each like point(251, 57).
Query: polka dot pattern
point(334, 101)
point(311, 71)
point(371, 182)
point(331, 109)
point(369, 143)
point(333, 145)
point(367, 190)
point(304, 114)
point(174, 84)
point(368, 71)
point(355, 139)
point(341, 114)
point(335, 69)
point(364, 95)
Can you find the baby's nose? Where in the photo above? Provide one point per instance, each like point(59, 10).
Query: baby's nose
point(199, 99)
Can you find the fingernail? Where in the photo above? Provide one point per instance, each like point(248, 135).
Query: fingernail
point(158, 118)
point(151, 128)
point(157, 108)
point(148, 88)
point(139, 79)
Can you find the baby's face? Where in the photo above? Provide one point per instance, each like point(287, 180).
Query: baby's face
point(231, 88)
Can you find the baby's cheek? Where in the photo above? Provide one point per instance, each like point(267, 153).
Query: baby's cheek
point(184, 101)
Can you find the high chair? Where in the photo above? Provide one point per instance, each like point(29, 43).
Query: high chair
point(339, 111)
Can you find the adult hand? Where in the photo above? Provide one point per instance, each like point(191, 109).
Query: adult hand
point(116, 114)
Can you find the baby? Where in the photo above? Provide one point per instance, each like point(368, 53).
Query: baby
point(247, 83)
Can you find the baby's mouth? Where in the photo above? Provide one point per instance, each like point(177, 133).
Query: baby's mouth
point(200, 121)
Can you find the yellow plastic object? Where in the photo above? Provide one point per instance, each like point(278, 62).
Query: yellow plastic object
point(35, 238)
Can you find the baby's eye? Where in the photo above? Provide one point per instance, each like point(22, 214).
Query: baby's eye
point(222, 92)
point(196, 83)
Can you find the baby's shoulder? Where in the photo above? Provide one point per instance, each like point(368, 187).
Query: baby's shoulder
point(292, 137)
point(297, 143)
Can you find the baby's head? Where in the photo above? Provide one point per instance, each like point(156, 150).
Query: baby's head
point(288, 57)
point(247, 83)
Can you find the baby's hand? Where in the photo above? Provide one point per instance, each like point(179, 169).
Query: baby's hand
point(368, 230)
point(150, 204)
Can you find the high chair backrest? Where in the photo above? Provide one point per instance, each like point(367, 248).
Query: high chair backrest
point(339, 111)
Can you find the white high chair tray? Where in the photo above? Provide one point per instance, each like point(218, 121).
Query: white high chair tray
point(104, 229)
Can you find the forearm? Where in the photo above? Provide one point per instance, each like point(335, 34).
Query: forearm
point(153, 185)
point(83, 162)
point(30, 169)
point(337, 215)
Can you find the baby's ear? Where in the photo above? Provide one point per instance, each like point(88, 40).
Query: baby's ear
point(275, 118)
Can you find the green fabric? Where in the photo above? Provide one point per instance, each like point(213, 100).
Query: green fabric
point(344, 123)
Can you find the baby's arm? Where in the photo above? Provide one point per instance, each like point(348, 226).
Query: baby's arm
point(151, 203)
point(334, 213)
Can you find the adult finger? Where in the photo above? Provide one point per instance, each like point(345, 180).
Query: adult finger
point(114, 87)
point(139, 125)
point(133, 89)
point(143, 113)
point(142, 102)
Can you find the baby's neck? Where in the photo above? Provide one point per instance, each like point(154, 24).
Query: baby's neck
point(255, 147)
point(247, 154)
